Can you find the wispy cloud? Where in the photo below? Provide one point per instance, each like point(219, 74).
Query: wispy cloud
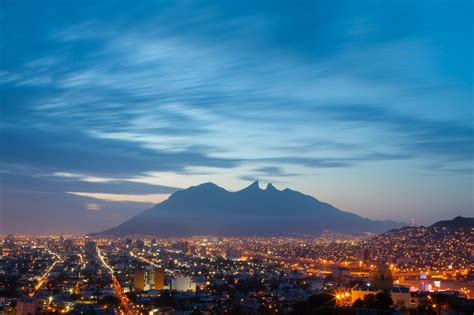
point(92, 206)
point(152, 198)
point(84, 178)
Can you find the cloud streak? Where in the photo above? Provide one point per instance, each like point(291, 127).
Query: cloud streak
point(150, 199)
point(92, 206)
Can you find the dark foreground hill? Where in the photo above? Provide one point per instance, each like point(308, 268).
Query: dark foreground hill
point(208, 209)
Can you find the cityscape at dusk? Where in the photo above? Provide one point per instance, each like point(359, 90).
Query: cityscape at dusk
point(224, 157)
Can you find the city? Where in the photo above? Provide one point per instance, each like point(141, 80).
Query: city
point(244, 275)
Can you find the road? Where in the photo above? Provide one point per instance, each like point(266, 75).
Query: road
point(46, 273)
point(144, 260)
point(124, 300)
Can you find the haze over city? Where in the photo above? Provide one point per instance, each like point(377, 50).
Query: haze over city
point(109, 107)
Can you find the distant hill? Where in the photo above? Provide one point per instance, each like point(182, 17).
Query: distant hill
point(433, 233)
point(441, 244)
point(457, 222)
point(208, 209)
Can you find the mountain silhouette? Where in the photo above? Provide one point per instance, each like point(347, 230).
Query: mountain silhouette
point(208, 209)
point(456, 223)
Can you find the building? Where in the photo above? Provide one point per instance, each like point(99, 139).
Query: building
point(401, 296)
point(68, 245)
point(26, 307)
point(148, 279)
point(89, 247)
point(139, 281)
point(183, 284)
point(61, 241)
point(360, 291)
point(158, 278)
point(381, 278)
point(182, 246)
point(363, 254)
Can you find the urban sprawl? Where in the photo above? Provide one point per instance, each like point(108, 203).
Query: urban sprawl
point(413, 270)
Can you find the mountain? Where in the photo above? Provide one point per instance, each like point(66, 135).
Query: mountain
point(208, 209)
point(456, 223)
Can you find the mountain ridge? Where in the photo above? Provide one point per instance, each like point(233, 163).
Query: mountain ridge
point(212, 210)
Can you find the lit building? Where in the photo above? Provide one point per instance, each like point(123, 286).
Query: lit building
point(183, 284)
point(139, 281)
point(382, 280)
point(158, 278)
point(151, 278)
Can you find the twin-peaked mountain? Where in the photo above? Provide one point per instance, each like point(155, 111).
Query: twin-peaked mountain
point(208, 209)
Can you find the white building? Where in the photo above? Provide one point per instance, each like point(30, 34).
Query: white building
point(183, 284)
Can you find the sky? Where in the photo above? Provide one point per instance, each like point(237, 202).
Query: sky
point(107, 107)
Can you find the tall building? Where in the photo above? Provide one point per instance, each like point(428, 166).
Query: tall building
point(158, 278)
point(182, 246)
point(363, 254)
point(150, 278)
point(61, 241)
point(68, 245)
point(89, 247)
point(139, 281)
point(139, 244)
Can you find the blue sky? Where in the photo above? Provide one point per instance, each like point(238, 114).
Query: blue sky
point(108, 107)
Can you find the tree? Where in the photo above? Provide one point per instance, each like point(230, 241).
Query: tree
point(381, 301)
point(314, 302)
